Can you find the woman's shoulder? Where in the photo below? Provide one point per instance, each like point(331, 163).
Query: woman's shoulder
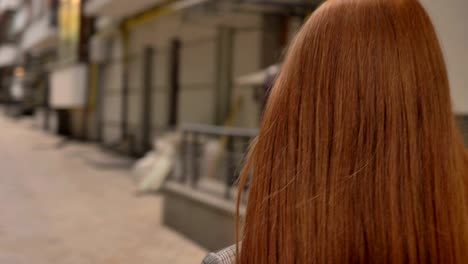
point(225, 256)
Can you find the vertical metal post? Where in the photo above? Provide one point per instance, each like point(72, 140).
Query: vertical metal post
point(46, 102)
point(174, 72)
point(90, 99)
point(100, 80)
point(230, 167)
point(125, 85)
point(195, 159)
point(184, 159)
point(224, 63)
point(147, 109)
point(244, 149)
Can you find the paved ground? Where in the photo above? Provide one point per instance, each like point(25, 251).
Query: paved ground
point(71, 203)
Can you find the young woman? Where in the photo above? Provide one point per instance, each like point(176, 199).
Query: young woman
point(358, 158)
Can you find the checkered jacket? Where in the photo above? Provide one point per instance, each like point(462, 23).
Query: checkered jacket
point(225, 256)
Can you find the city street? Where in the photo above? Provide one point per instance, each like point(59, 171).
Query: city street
point(66, 202)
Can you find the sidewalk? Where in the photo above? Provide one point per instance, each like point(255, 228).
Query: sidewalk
point(70, 203)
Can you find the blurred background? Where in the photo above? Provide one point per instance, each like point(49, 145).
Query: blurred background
point(124, 123)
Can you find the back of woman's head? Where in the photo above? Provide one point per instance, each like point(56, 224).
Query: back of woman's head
point(358, 159)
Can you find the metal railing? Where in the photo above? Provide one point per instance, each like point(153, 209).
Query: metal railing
point(231, 145)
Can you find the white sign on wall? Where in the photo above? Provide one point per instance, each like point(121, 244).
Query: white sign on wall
point(68, 87)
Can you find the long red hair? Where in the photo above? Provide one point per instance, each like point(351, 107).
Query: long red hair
point(358, 158)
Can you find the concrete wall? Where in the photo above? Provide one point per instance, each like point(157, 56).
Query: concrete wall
point(197, 72)
point(201, 217)
point(198, 67)
point(247, 59)
point(451, 21)
point(112, 87)
point(198, 34)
